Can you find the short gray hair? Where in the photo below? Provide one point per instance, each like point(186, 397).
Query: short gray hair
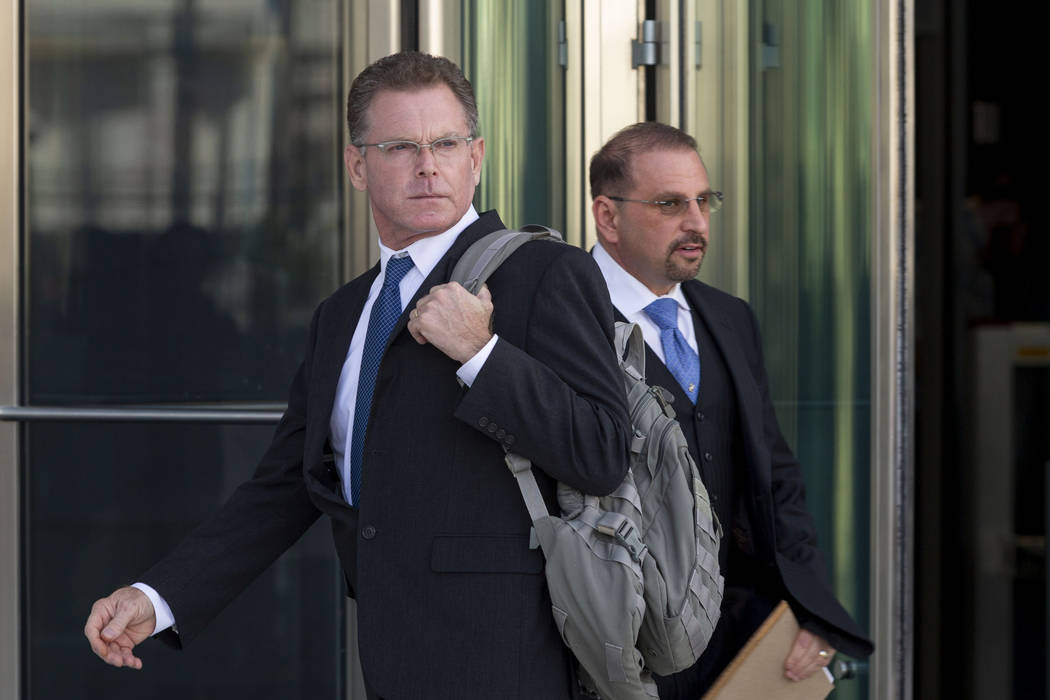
point(406, 70)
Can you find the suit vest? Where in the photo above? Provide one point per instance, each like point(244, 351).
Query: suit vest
point(711, 427)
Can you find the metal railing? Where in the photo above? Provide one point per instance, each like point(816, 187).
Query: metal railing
point(141, 414)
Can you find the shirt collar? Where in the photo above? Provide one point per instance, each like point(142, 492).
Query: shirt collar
point(426, 252)
point(628, 294)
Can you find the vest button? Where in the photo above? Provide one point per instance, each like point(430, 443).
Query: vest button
point(699, 417)
point(368, 532)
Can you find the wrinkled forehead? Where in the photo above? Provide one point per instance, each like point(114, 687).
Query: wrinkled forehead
point(427, 111)
point(669, 171)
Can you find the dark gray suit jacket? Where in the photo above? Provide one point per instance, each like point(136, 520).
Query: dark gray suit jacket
point(452, 603)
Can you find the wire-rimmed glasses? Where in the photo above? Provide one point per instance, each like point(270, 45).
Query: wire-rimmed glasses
point(675, 206)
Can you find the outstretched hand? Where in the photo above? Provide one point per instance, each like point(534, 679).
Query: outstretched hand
point(453, 320)
point(117, 623)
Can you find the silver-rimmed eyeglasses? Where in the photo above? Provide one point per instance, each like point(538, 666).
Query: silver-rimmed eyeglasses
point(675, 206)
point(398, 151)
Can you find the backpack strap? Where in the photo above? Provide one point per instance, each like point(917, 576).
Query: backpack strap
point(521, 468)
point(630, 348)
point(475, 266)
point(485, 255)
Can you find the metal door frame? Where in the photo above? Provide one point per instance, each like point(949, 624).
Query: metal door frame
point(10, 268)
point(892, 352)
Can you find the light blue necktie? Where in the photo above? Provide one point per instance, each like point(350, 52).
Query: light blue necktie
point(381, 322)
point(680, 359)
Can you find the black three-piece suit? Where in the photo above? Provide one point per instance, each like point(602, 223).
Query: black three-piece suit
point(769, 548)
point(452, 602)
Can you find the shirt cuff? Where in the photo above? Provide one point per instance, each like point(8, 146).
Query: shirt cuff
point(469, 371)
point(161, 610)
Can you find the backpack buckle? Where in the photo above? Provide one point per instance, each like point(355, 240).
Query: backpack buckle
point(626, 534)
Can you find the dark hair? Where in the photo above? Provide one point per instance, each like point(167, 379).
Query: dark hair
point(405, 71)
point(611, 165)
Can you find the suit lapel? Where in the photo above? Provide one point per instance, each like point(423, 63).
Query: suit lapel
point(334, 333)
point(748, 399)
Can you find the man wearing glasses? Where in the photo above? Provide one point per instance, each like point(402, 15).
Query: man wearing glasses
point(652, 203)
point(410, 392)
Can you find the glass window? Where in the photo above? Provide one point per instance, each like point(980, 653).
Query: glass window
point(184, 188)
point(184, 179)
point(105, 502)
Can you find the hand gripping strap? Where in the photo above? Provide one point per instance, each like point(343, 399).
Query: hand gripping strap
point(483, 257)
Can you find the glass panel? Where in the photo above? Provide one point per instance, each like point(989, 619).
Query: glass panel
point(184, 181)
point(520, 87)
point(184, 188)
point(809, 275)
point(104, 502)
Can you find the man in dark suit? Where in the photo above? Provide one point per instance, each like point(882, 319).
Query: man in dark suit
point(651, 204)
point(429, 526)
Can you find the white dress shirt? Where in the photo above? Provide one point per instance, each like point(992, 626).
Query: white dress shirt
point(630, 297)
point(426, 252)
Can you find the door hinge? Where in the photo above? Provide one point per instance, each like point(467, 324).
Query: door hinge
point(770, 45)
point(698, 44)
point(646, 51)
point(563, 46)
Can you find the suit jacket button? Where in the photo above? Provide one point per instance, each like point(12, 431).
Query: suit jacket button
point(699, 417)
point(500, 434)
point(509, 440)
point(368, 532)
point(708, 456)
point(483, 421)
point(492, 427)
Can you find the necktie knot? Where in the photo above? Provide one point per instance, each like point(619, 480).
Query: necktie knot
point(664, 313)
point(396, 269)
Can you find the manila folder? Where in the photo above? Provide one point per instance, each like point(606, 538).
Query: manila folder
point(758, 670)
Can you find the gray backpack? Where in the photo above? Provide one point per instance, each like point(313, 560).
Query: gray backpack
point(633, 576)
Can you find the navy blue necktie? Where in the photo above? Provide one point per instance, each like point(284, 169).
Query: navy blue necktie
point(680, 359)
point(381, 322)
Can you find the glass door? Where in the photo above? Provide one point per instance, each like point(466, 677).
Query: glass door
point(510, 53)
point(810, 237)
point(779, 97)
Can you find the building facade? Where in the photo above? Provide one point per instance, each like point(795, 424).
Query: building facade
point(173, 207)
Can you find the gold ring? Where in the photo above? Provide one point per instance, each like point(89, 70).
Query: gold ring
point(823, 653)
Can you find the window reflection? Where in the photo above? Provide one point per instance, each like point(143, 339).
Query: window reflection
point(106, 501)
point(183, 188)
